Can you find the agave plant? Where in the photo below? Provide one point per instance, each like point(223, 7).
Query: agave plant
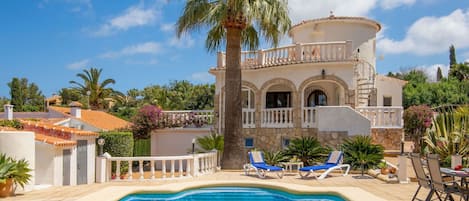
point(211, 142)
point(17, 170)
point(447, 135)
point(274, 157)
point(360, 153)
point(307, 149)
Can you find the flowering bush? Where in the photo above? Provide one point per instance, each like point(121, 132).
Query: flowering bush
point(146, 120)
point(416, 121)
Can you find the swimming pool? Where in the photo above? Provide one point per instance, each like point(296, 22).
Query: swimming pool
point(231, 193)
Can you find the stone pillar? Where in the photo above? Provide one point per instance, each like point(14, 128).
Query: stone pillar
point(101, 163)
point(8, 111)
point(402, 173)
point(456, 160)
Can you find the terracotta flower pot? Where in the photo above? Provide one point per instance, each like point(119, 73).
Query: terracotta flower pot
point(384, 171)
point(6, 189)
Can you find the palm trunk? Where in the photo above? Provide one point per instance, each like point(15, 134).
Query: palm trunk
point(233, 154)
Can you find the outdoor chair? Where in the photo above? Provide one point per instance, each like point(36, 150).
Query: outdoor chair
point(333, 162)
point(258, 164)
point(437, 183)
point(422, 178)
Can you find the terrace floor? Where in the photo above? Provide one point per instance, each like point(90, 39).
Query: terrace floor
point(392, 192)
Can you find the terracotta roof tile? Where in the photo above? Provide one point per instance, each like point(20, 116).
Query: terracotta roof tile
point(54, 130)
point(96, 118)
point(58, 142)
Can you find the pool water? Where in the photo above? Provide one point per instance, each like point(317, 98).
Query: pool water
point(231, 193)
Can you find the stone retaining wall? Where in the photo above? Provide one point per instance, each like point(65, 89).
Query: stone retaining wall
point(390, 138)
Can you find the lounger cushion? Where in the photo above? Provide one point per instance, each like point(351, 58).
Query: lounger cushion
point(257, 157)
point(317, 167)
point(267, 167)
point(334, 157)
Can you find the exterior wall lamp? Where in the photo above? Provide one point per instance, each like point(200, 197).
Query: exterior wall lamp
point(323, 74)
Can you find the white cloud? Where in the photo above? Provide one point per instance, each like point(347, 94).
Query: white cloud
point(466, 56)
point(202, 77)
point(431, 70)
point(431, 35)
point(185, 41)
point(79, 64)
point(142, 48)
point(391, 4)
point(306, 9)
point(141, 62)
point(133, 17)
point(168, 27)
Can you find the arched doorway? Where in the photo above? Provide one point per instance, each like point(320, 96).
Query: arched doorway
point(317, 98)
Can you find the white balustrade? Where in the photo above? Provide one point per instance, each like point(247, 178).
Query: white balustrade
point(299, 53)
point(309, 117)
point(277, 118)
point(181, 118)
point(187, 166)
point(383, 117)
point(249, 118)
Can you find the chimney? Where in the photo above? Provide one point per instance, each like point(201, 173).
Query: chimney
point(8, 111)
point(75, 109)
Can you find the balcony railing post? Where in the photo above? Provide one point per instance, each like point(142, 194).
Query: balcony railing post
point(260, 58)
point(220, 59)
point(298, 53)
point(348, 49)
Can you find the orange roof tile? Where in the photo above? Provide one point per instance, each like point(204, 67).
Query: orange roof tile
point(58, 142)
point(96, 118)
point(51, 129)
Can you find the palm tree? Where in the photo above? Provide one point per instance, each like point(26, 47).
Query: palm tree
point(307, 149)
point(93, 88)
point(235, 23)
point(360, 152)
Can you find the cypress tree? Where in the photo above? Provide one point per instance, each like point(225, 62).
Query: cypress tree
point(439, 74)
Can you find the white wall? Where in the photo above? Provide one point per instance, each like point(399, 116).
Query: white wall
point(20, 144)
point(389, 87)
point(298, 73)
point(91, 155)
point(45, 163)
point(361, 32)
point(342, 118)
point(174, 142)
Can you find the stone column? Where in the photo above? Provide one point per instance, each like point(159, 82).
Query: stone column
point(402, 173)
point(8, 111)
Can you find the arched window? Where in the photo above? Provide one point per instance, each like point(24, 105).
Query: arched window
point(247, 98)
point(317, 98)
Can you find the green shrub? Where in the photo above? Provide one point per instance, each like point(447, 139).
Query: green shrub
point(142, 147)
point(118, 144)
point(11, 123)
point(275, 157)
point(360, 153)
point(307, 149)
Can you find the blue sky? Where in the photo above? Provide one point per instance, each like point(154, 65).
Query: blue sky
point(50, 41)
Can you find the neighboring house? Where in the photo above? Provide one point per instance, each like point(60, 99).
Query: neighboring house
point(324, 84)
point(65, 146)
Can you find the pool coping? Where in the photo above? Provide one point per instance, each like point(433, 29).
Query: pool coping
point(118, 192)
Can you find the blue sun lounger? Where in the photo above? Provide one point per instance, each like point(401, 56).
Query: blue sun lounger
point(258, 164)
point(333, 162)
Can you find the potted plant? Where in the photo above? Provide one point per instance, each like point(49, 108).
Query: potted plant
point(12, 172)
point(384, 167)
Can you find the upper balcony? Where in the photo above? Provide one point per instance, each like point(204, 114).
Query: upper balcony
point(340, 51)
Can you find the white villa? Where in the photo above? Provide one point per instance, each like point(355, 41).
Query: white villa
point(324, 84)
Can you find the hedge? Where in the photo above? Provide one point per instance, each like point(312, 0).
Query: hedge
point(118, 144)
point(142, 147)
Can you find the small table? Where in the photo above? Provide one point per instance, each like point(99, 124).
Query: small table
point(289, 165)
point(462, 174)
